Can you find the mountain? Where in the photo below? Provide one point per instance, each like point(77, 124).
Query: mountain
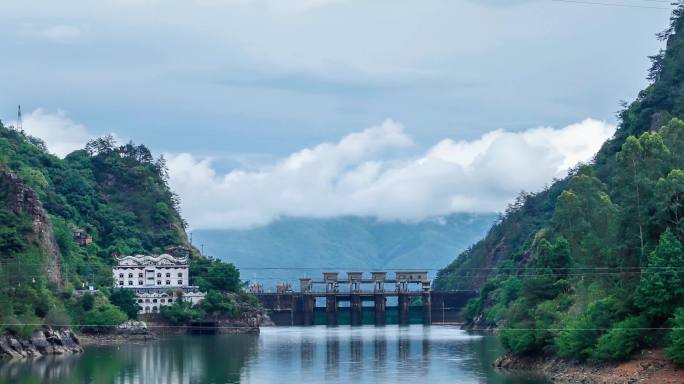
point(62, 220)
point(593, 266)
point(307, 246)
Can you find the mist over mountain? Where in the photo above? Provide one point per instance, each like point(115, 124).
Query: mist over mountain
point(293, 247)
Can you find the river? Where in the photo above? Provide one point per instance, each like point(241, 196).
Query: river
point(294, 355)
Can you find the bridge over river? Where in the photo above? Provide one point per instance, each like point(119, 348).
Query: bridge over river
point(356, 299)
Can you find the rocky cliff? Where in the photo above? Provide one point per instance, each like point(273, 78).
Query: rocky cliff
point(22, 200)
point(43, 341)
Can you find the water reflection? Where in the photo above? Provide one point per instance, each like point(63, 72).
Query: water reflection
point(343, 354)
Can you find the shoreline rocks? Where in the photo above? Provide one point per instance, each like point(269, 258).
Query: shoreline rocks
point(43, 341)
point(647, 367)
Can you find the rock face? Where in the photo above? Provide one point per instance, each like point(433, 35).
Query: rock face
point(44, 341)
point(132, 327)
point(23, 200)
point(649, 367)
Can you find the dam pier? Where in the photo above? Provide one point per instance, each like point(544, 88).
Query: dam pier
point(355, 300)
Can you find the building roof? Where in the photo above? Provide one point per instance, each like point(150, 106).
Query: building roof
point(154, 260)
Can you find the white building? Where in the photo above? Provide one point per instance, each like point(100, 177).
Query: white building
point(157, 280)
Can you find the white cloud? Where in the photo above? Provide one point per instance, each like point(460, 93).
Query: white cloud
point(372, 173)
point(61, 134)
point(62, 33)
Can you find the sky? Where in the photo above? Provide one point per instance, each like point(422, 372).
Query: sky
point(393, 109)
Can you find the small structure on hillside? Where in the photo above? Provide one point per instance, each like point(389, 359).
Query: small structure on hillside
point(81, 237)
point(157, 280)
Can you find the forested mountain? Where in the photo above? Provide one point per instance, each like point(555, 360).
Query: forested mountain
point(62, 221)
point(308, 246)
point(597, 255)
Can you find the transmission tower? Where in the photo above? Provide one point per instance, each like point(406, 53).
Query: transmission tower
point(20, 127)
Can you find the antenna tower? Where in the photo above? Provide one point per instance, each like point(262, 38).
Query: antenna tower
point(20, 126)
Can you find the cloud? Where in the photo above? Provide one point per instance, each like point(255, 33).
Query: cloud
point(61, 134)
point(62, 33)
point(376, 172)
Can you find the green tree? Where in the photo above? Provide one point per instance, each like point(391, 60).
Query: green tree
point(623, 340)
point(586, 217)
point(579, 335)
point(103, 318)
point(676, 349)
point(661, 287)
point(126, 301)
point(181, 312)
point(670, 198)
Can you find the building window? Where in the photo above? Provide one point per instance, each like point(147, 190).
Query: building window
point(180, 282)
point(154, 300)
point(140, 300)
point(158, 274)
point(154, 309)
point(158, 282)
point(180, 274)
point(120, 274)
point(140, 282)
point(130, 275)
point(147, 300)
point(170, 300)
point(121, 282)
point(140, 275)
point(162, 300)
point(168, 282)
point(168, 274)
point(147, 309)
point(130, 283)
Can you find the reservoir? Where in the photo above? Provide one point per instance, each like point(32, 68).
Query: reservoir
point(297, 355)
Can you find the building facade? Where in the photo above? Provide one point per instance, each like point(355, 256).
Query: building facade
point(157, 280)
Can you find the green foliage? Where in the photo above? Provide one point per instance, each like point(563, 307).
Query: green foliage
point(472, 309)
point(103, 318)
point(661, 288)
point(125, 300)
point(624, 339)
point(213, 274)
point(216, 302)
point(598, 254)
point(181, 312)
point(579, 336)
point(676, 349)
point(117, 195)
point(87, 302)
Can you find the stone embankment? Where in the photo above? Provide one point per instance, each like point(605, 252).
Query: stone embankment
point(43, 341)
point(650, 367)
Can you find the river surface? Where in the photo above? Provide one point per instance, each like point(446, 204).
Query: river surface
point(293, 355)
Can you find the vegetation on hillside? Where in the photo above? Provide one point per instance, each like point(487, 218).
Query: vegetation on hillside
point(117, 196)
point(592, 267)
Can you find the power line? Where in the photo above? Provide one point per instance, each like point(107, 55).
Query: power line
point(468, 330)
point(610, 4)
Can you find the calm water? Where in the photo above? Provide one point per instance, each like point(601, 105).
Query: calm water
point(367, 354)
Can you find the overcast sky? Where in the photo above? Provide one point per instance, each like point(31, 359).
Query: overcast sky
point(256, 101)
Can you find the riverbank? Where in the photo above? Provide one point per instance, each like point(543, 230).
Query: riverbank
point(144, 331)
point(650, 367)
point(43, 341)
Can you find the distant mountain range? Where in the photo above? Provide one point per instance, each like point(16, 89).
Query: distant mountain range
point(294, 247)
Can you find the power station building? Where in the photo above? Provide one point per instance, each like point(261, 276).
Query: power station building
point(156, 280)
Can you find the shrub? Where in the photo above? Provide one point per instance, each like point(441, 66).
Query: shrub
point(125, 300)
point(676, 349)
point(103, 318)
point(625, 338)
point(580, 335)
point(518, 339)
point(181, 312)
